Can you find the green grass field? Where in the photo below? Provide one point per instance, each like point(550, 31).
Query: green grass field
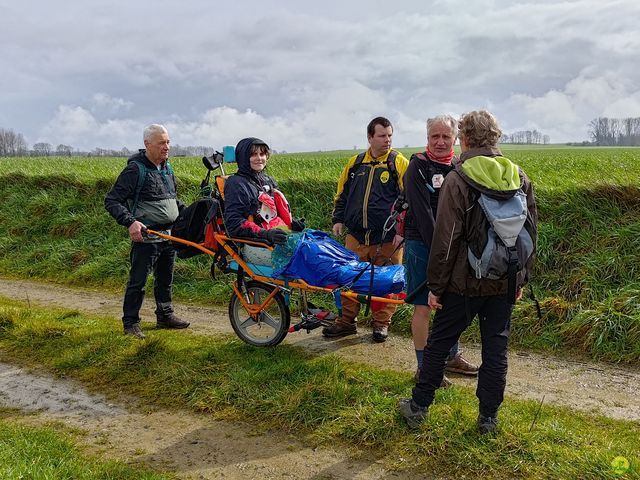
point(325, 400)
point(587, 276)
point(55, 228)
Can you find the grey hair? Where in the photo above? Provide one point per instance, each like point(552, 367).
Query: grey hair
point(447, 120)
point(153, 129)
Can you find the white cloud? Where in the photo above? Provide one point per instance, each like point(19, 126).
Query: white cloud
point(310, 76)
point(105, 101)
point(78, 127)
point(593, 93)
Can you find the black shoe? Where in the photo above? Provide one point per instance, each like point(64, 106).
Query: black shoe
point(444, 384)
point(339, 329)
point(413, 413)
point(487, 424)
point(134, 330)
point(380, 334)
point(171, 322)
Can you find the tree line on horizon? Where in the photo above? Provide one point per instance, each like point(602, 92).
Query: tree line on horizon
point(603, 131)
point(13, 144)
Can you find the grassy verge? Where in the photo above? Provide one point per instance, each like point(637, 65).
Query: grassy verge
point(47, 453)
point(587, 276)
point(326, 400)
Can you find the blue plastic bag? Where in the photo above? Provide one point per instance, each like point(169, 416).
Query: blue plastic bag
point(321, 261)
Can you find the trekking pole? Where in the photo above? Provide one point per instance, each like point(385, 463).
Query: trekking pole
point(532, 296)
point(410, 296)
point(537, 413)
point(389, 223)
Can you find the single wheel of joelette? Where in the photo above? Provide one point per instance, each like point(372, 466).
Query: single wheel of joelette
point(272, 323)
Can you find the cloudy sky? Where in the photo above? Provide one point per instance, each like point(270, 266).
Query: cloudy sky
point(310, 75)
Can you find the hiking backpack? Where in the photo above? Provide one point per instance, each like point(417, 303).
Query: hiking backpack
point(391, 166)
point(507, 243)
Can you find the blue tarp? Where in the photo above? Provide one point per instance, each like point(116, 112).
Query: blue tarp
point(313, 256)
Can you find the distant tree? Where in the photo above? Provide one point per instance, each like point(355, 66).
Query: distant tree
point(12, 144)
point(64, 150)
point(546, 139)
point(42, 149)
point(528, 137)
point(99, 152)
point(615, 131)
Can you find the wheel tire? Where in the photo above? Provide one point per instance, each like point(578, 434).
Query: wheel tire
point(273, 323)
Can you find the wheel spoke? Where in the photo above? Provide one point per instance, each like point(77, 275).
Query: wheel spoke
point(246, 323)
point(266, 317)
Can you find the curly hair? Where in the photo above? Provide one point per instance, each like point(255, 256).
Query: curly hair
point(479, 129)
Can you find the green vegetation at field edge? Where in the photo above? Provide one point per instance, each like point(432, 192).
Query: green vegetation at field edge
point(587, 275)
point(329, 401)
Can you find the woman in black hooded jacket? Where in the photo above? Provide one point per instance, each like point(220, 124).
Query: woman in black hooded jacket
point(253, 204)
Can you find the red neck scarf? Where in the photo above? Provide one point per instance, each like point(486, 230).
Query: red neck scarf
point(444, 160)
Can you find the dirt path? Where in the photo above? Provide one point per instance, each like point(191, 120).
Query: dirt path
point(192, 446)
point(581, 385)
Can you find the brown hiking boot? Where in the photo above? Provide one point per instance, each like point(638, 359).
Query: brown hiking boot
point(134, 331)
point(339, 329)
point(444, 384)
point(171, 322)
point(459, 365)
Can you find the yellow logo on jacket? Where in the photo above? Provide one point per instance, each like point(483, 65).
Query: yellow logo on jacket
point(384, 177)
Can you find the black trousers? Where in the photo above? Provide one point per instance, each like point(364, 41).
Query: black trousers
point(448, 324)
point(147, 257)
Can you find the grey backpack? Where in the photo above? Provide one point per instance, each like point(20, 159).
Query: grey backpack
point(509, 242)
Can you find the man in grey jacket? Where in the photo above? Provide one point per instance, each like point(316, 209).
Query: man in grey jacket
point(144, 196)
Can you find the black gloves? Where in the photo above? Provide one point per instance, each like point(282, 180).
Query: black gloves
point(297, 225)
point(275, 236)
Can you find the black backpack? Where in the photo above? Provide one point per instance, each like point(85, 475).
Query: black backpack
point(192, 224)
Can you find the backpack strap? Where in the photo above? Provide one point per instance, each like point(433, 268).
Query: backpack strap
point(512, 272)
point(391, 166)
point(424, 176)
point(355, 166)
point(142, 176)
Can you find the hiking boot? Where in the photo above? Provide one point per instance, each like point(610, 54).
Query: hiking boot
point(380, 334)
point(171, 322)
point(339, 329)
point(134, 331)
point(487, 424)
point(413, 413)
point(459, 365)
point(444, 384)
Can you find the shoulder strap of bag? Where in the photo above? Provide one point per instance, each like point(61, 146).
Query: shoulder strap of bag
point(142, 176)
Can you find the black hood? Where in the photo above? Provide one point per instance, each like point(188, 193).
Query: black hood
point(243, 154)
